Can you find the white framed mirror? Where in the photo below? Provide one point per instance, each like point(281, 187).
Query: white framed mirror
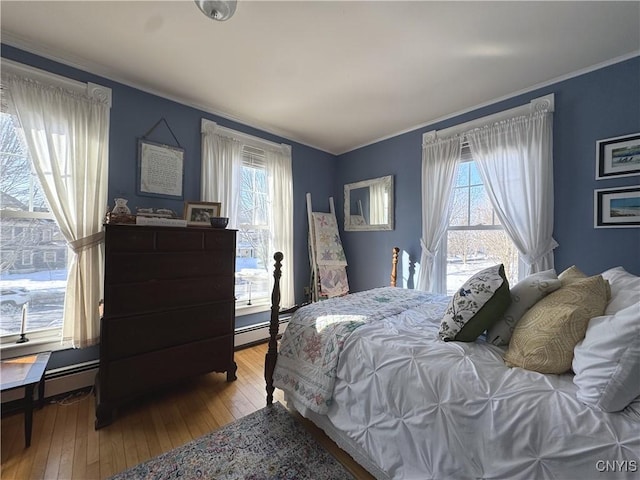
point(368, 205)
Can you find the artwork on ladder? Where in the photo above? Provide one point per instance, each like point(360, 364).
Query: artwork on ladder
point(617, 207)
point(618, 157)
point(200, 213)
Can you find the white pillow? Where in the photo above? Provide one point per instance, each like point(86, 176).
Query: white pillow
point(524, 295)
point(607, 362)
point(625, 289)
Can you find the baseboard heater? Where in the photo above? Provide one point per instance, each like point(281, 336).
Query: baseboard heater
point(68, 379)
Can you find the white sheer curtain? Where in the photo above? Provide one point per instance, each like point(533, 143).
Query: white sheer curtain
point(515, 161)
point(68, 138)
point(221, 170)
point(281, 194)
point(221, 176)
point(439, 162)
point(378, 207)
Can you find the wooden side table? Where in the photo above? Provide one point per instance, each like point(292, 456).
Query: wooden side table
point(25, 372)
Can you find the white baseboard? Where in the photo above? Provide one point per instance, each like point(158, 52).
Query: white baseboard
point(62, 384)
point(258, 333)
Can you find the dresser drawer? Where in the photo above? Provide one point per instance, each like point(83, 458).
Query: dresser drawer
point(135, 375)
point(139, 267)
point(120, 238)
point(133, 298)
point(133, 335)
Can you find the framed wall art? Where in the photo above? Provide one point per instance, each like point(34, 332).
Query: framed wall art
point(199, 213)
point(160, 170)
point(617, 207)
point(618, 157)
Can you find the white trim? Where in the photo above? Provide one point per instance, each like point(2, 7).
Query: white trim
point(39, 341)
point(260, 333)
point(24, 214)
point(65, 383)
point(264, 305)
point(388, 181)
point(91, 90)
point(494, 101)
point(537, 104)
point(81, 64)
point(209, 126)
point(17, 68)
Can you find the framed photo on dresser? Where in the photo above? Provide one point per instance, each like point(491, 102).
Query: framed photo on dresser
point(200, 213)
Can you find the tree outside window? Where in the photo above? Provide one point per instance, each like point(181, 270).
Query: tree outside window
point(33, 253)
point(254, 231)
point(475, 239)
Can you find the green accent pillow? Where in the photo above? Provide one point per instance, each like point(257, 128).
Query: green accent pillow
point(476, 306)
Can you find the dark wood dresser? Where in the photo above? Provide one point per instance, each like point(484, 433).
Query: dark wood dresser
point(169, 310)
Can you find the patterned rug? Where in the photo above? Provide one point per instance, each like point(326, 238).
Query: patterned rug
point(266, 445)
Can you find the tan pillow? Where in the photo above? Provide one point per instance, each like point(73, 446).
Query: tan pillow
point(544, 338)
point(570, 275)
point(573, 274)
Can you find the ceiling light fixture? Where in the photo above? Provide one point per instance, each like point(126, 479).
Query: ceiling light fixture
point(220, 10)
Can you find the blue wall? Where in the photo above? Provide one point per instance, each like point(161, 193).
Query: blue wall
point(601, 104)
point(134, 112)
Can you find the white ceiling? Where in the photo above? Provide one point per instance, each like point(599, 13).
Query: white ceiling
point(334, 75)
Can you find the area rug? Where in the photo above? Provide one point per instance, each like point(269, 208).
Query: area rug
point(266, 445)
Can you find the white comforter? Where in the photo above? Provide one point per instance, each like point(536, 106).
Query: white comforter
point(420, 408)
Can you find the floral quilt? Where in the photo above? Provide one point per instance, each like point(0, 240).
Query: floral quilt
point(311, 345)
point(327, 240)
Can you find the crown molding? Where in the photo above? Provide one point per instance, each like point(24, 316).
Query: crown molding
point(105, 72)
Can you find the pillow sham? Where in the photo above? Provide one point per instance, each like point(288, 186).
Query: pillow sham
point(625, 289)
point(607, 362)
point(476, 306)
point(573, 274)
point(545, 336)
point(524, 294)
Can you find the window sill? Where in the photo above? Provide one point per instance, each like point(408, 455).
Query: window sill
point(251, 309)
point(40, 341)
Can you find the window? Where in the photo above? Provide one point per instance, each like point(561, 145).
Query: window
point(27, 258)
point(252, 179)
point(254, 230)
point(475, 240)
point(33, 266)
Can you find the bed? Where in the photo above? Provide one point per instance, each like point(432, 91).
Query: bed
point(372, 370)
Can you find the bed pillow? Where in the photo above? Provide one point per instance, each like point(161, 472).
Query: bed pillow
point(545, 336)
point(607, 362)
point(625, 289)
point(571, 274)
point(524, 294)
point(476, 306)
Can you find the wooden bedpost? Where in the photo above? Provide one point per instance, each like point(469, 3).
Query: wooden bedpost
point(272, 352)
point(394, 266)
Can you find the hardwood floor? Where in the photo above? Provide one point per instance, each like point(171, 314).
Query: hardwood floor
point(65, 445)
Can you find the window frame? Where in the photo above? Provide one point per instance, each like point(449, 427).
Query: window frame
point(255, 157)
point(441, 265)
point(546, 102)
point(48, 338)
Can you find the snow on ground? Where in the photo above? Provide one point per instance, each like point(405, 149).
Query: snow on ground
point(46, 289)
